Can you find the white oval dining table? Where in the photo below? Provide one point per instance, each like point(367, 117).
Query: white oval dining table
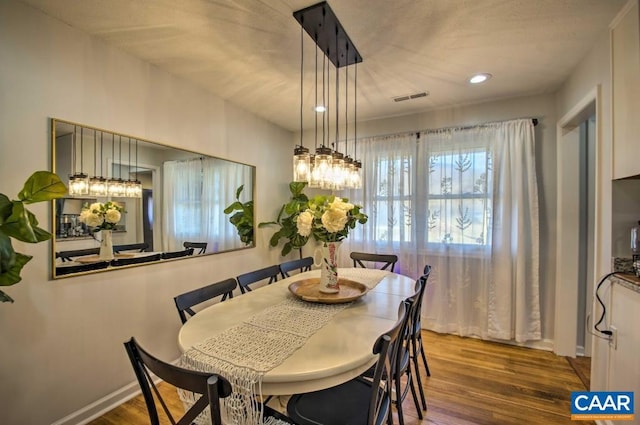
point(338, 352)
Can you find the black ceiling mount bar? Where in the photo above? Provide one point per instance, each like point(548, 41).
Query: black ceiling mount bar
point(323, 26)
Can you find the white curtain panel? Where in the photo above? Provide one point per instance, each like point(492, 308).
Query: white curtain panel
point(465, 202)
point(196, 192)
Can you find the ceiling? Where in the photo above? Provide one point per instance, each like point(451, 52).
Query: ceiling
point(248, 51)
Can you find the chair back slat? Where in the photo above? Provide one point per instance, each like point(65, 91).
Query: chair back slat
point(185, 301)
point(386, 348)
point(302, 264)
point(246, 279)
point(68, 255)
point(177, 254)
point(212, 387)
point(201, 246)
point(136, 260)
point(60, 271)
point(139, 247)
point(388, 261)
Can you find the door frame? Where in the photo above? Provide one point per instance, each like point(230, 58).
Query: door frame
point(566, 290)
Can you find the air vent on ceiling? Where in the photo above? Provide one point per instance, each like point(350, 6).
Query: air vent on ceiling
point(410, 96)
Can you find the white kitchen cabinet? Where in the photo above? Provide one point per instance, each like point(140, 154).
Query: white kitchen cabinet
point(625, 84)
point(624, 350)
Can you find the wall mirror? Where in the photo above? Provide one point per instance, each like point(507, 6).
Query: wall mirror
point(172, 199)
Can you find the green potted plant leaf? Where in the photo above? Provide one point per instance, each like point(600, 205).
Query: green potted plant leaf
point(286, 220)
point(19, 223)
point(243, 217)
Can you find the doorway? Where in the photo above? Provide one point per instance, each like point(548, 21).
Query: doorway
point(577, 141)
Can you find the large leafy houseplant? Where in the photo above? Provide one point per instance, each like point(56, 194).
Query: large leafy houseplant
point(326, 218)
point(242, 219)
point(19, 223)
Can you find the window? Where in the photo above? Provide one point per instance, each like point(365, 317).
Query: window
point(458, 200)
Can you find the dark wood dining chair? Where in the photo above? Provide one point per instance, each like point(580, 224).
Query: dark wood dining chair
point(417, 344)
point(136, 260)
point(69, 255)
point(212, 387)
point(137, 247)
point(302, 264)
point(405, 374)
point(387, 261)
point(360, 401)
point(200, 246)
point(64, 270)
point(185, 301)
point(177, 254)
point(246, 279)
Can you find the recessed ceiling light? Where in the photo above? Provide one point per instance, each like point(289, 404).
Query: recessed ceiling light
point(479, 78)
point(319, 108)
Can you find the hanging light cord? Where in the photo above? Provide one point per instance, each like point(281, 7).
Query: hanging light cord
point(120, 158)
point(316, 104)
point(301, 77)
point(81, 150)
point(136, 160)
point(325, 114)
point(95, 156)
point(355, 112)
point(75, 148)
point(101, 143)
point(337, 91)
point(346, 104)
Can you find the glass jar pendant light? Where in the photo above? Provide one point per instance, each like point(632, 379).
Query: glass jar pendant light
point(133, 188)
point(115, 186)
point(328, 168)
point(97, 184)
point(78, 182)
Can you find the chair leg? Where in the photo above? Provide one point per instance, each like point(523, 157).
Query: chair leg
point(413, 392)
point(424, 359)
point(419, 382)
point(399, 402)
point(414, 358)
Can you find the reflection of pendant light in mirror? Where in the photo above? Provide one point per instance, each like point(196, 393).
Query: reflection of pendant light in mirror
point(128, 183)
point(97, 184)
point(78, 182)
point(115, 186)
point(133, 187)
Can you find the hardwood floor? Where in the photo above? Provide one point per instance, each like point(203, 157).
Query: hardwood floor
point(472, 382)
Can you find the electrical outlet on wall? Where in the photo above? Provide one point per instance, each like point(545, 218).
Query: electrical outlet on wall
point(613, 339)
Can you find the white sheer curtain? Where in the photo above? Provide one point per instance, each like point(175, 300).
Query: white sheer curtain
point(195, 194)
point(465, 202)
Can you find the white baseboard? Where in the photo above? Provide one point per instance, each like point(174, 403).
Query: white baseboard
point(105, 404)
point(101, 406)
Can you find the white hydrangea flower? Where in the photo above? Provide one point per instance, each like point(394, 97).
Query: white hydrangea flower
point(304, 221)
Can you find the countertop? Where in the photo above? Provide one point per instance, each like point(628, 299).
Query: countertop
point(628, 280)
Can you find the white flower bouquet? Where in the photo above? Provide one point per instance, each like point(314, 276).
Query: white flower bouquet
point(101, 216)
point(329, 218)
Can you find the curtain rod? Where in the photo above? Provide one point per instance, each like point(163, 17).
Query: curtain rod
point(470, 127)
point(433, 130)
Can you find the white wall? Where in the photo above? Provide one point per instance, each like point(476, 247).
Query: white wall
point(61, 341)
point(594, 70)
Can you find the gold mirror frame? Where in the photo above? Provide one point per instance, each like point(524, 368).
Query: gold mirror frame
point(117, 155)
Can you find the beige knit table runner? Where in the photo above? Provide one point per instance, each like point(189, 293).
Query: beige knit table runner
point(244, 353)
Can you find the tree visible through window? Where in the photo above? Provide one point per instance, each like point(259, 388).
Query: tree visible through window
point(459, 197)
